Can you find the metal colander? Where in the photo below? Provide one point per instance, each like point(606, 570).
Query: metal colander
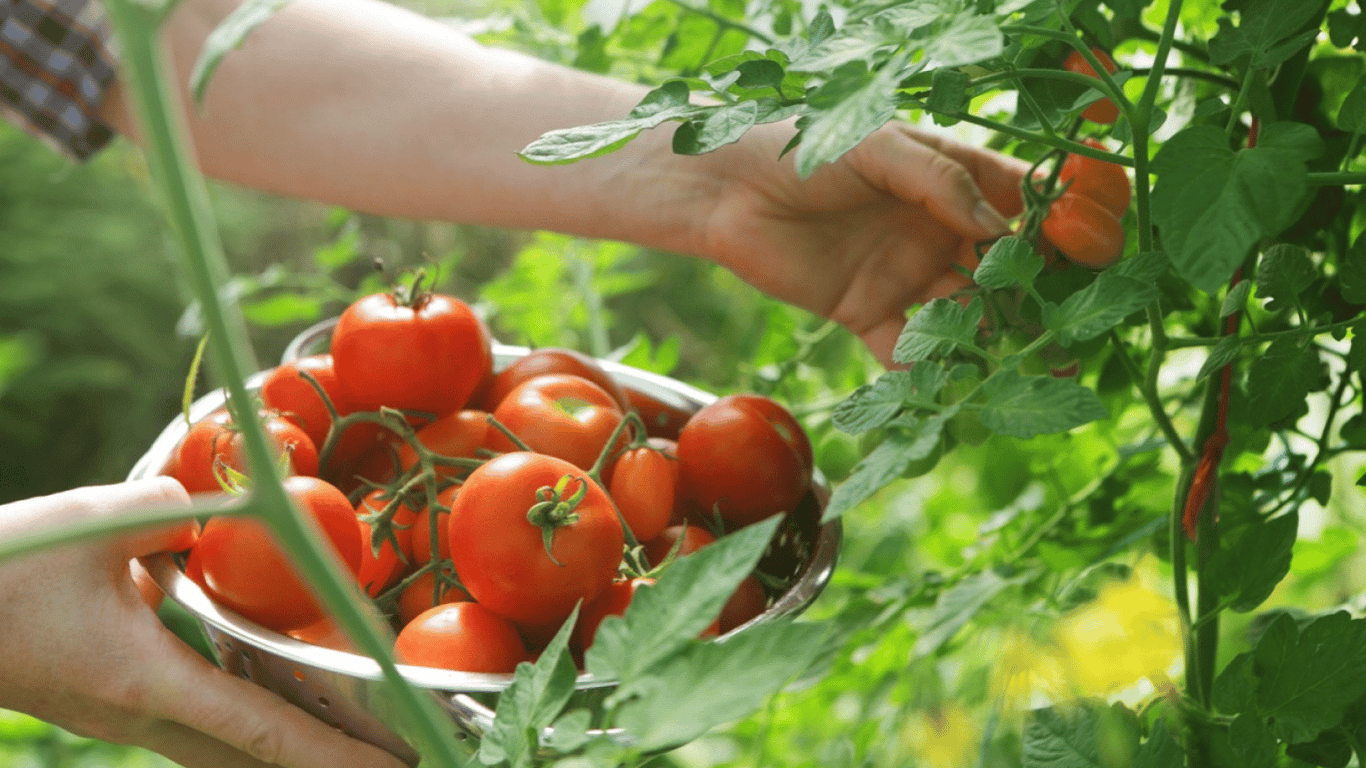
point(347, 691)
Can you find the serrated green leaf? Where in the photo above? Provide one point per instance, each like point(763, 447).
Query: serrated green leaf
point(956, 606)
point(968, 39)
point(838, 128)
point(1028, 406)
point(715, 128)
point(873, 405)
point(1235, 689)
point(1220, 355)
point(684, 600)
point(760, 73)
point(1236, 299)
point(1306, 678)
point(1010, 261)
point(667, 102)
point(532, 702)
point(1262, 26)
point(1281, 379)
point(1056, 739)
point(1098, 307)
point(569, 731)
point(948, 91)
point(1284, 272)
point(1161, 750)
point(1352, 272)
point(1143, 267)
point(855, 43)
point(938, 327)
point(1212, 204)
point(228, 36)
point(1352, 113)
point(1329, 749)
point(1252, 742)
point(711, 683)
point(1253, 560)
point(910, 441)
point(910, 18)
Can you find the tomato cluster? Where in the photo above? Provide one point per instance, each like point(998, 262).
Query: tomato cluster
point(1084, 222)
point(483, 505)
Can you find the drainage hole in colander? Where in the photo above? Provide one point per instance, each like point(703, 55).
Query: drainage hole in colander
point(298, 675)
point(323, 702)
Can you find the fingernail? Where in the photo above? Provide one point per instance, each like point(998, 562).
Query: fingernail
point(990, 220)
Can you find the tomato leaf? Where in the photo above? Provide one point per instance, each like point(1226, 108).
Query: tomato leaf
point(1262, 26)
point(715, 128)
point(711, 683)
point(1280, 379)
point(1212, 204)
point(1252, 560)
point(1028, 406)
point(1252, 743)
point(667, 102)
point(685, 600)
point(1055, 738)
point(956, 606)
point(532, 702)
point(228, 36)
point(912, 440)
point(966, 39)
point(853, 104)
point(1306, 677)
point(1010, 261)
point(1236, 299)
point(1161, 750)
point(1220, 355)
point(873, 405)
point(938, 327)
point(1098, 307)
point(1284, 272)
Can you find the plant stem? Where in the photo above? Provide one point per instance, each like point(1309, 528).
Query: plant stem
point(1331, 179)
point(1154, 401)
point(188, 209)
point(724, 22)
point(1236, 108)
point(1258, 338)
point(1067, 145)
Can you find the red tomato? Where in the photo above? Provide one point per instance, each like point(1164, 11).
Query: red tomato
point(1084, 231)
point(214, 438)
point(540, 362)
point(1104, 111)
point(381, 568)
point(462, 636)
point(612, 601)
point(427, 357)
point(457, 435)
point(694, 538)
point(326, 633)
point(245, 569)
point(417, 597)
point(748, 601)
point(501, 555)
point(1106, 183)
point(422, 529)
point(746, 456)
point(286, 391)
point(644, 482)
point(559, 415)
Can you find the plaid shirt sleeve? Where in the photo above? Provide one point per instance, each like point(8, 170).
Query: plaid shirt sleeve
point(55, 67)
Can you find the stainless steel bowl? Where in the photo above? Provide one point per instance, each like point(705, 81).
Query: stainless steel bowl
point(346, 690)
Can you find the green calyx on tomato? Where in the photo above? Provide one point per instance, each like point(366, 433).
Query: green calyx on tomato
point(554, 510)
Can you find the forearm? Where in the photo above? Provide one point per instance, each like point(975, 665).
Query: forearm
point(365, 105)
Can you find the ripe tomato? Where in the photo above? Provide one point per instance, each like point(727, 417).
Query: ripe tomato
point(540, 362)
point(643, 486)
point(417, 597)
point(214, 438)
point(501, 555)
point(612, 601)
point(748, 601)
point(382, 568)
point(694, 538)
point(1103, 112)
point(428, 356)
point(326, 633)
point(559, 415)
point(747, 456)
point(458, 435)
point(1106, 183)
point(462, 636)
point(661, 419)
point(286, 391)
point(1084, 231)
point(244, 568)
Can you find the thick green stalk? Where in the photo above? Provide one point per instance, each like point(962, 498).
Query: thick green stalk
point(188, 210)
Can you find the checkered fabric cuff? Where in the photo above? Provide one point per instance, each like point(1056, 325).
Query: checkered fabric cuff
point(55, 67)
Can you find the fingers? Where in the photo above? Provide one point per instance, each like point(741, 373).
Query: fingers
point(254, 721)
point(998, 176)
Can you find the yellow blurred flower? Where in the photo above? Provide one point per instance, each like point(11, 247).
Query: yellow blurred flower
point(1129, 633)
point(1026, 673)
point(941, 738)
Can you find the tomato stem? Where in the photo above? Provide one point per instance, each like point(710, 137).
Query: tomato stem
point(554, 510)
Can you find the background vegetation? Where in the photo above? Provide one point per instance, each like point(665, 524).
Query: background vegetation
point(95, 340)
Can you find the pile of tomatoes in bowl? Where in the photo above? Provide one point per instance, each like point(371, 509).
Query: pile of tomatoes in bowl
point(476, 504)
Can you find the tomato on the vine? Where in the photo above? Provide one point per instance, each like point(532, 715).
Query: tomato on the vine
point(1104, 111)
point(287, 391)
point(467, 637)
point(216, 439)
point(1106, 183)
point(558, 414)
point(381, 569)
point(746, 456)
point(426, 355)
point(456, 435)
point(692, 537)
point(643, 486)
point(540, 362)
point(244, 567)
point(530, 536)
point(417, 596)
point(423, 526)
point(1084, 231)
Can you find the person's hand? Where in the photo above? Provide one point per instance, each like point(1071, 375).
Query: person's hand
point(82, 650)
point(865, 238)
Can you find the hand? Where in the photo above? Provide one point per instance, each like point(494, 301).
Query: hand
point(84, 651)
point(865, 238)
